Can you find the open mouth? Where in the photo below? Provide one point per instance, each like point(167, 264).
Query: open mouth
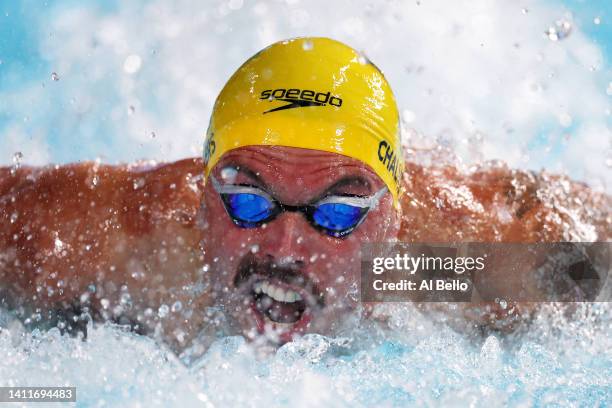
point(280, 305)
point(284, 309)
point(281, 299)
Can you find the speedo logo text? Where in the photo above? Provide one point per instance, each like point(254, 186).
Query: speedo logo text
point(299, 98)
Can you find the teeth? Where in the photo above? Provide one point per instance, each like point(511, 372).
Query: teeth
point(293, 297)
point(279, 295)
point(276, 292)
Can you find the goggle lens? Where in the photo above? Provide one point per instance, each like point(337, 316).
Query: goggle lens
point(249, 209)
point(338, 217)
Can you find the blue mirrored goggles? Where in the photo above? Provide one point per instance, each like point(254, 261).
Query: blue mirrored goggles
point(337, 216)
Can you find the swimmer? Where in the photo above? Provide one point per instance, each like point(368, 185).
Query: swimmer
point(302, 165)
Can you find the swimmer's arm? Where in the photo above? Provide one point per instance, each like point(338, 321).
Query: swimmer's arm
point(545, 207)
point(499, 205)
point(65, 228)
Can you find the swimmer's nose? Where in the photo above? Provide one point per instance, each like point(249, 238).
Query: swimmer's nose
point(286, 237)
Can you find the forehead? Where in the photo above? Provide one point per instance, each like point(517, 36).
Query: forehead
point(297, 171)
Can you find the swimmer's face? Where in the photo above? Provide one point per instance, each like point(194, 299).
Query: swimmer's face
point(286, 277)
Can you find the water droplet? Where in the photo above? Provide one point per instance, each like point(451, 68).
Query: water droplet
point(163, 311)
point(132, 64)
point(177, 306)
point(353, 292)
point(254, 248)
point(105, 303)
point(307, 45)
point(551, 33)
point(562, 29)
point(153, 135)
point(55, 77)
point(597, 20)
point(131, 110)
point(228, 174)
point(525, 11)
point(16, 162)
point(138, 274)
point(565, 119)
point(362, 59)
point(17, 158)
point(125, 299)
point(14, 217)
point(503, 304)
point(138, 183)
point(180, 335)
point(536, 87)
point(609, 89)
point(408, 116)
point(206, 267)
point(58, 245)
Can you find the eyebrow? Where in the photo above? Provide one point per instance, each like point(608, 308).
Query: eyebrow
point(343, 182)
point(347, 181)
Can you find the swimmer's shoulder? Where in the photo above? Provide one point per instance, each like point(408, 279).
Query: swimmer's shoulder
point(80, 218)
point(494, 202)
point(134, 194)
point(94, 175)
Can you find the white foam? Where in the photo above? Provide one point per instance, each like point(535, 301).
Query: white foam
point(562, 362)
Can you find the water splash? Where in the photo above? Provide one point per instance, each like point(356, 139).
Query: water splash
point(561, 30)
point(17, 157)
point(307, 45)
point(132, 64)
point(561, 363)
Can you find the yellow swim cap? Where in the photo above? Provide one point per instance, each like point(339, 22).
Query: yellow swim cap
point(312, 93)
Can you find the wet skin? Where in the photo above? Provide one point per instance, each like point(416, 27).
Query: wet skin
point(155, 248)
